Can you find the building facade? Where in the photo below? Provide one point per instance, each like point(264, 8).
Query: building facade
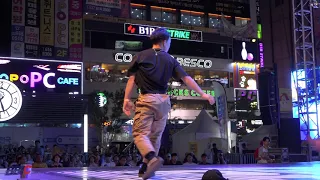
point(198, 44)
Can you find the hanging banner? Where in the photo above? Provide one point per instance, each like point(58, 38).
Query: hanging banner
point(46, 28)
point(222, 111)
point(17, 28)
point(75, 30)
point(61, 29)
point(32, 22)
point(115, 8)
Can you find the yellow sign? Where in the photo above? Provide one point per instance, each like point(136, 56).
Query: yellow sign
point(75, 31)
point(47, 22)
point(193, 147)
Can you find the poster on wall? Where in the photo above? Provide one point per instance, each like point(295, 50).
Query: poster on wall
point(285, 100)
point(61, 30)
point(116, 8)
point(75, 30)
point(246, 75)
point(46, 29)
point(246, 50)
point(32, 23)
point(17, 28)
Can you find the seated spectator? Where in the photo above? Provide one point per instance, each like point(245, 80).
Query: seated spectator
point(56, 161)
point(189, 160)
point(115, 159)
point(92, 162)
point(39, 162)
point(65, 161)
point(3, 163)
point(20, 160)
point(29, 159)
point(49, 160)
point(204, 160)
point(167, 159)
point(107, 161)
point(174, 159)
point(137, 159)
point(75, 161)
point(263, 156)
point(221, 159)
point(122, 161)
point(194, 158)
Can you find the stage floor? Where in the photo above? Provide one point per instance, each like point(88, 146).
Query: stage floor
point(296, 171)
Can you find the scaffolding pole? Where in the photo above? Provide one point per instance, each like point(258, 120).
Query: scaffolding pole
point(305, 70)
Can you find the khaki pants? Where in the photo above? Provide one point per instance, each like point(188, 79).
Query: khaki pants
point(150, 120)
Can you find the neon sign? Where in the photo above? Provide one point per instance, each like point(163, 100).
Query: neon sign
point(35, 77)
point(261, 55)
point(145, 30)
point(188, 93)
point(43, 75)
point(186, 62)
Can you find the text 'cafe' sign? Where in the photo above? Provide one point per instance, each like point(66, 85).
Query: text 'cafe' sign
point(186, 62)
point(145, 30)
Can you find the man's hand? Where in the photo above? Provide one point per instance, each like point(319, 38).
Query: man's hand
point(128, 106)
point(208, 98)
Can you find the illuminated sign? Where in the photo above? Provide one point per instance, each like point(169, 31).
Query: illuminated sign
point(186, 62)
point(37, 75)
point(245, 50)
point(187, 92)
point(146, 30)
point(246, 67)
point(261, 54)
point(246, 73)
point(246, 100)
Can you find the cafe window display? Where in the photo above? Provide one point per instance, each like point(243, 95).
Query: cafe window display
point(117, 73)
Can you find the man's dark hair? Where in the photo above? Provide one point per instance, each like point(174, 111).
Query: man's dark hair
point(159, 35)
point(174, 154)
point(203, 155)
point(265, 139)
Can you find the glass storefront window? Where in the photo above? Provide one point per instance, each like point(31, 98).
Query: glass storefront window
point(116, 73)
point(138, 11)
point(192, 18)
point(241, 21)
point(166, 15)
point(215, 21)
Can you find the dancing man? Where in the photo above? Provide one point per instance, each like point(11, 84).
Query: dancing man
point(150, 71)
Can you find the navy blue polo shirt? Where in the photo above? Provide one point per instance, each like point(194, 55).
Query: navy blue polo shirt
point(153, 68)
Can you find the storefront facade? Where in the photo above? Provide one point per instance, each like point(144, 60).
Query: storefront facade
point(107, 56)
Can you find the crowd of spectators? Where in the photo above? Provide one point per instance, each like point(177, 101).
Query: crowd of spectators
point(56, 157)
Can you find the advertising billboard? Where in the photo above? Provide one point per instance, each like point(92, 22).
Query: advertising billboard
point(246, 51)
point(146, 30)
point(40, 91)
point(42, 76)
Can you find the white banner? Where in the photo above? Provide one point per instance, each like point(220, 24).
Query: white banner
point(105, 3)
point(31, 35)
point(17, 49)
point(61, 24)
point(285, 98)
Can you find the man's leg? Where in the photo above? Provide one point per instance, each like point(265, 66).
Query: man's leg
point(159, 124)
point(143, 120)
point(161, 111)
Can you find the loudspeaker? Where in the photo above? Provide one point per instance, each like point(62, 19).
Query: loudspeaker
point(289, 135)
point(268, 96)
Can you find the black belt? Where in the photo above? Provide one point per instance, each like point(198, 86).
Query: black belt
point(143, 93)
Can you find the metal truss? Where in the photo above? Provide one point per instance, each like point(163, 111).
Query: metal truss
point(305, 75)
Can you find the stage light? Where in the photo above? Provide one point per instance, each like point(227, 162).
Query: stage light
point(85, 133)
